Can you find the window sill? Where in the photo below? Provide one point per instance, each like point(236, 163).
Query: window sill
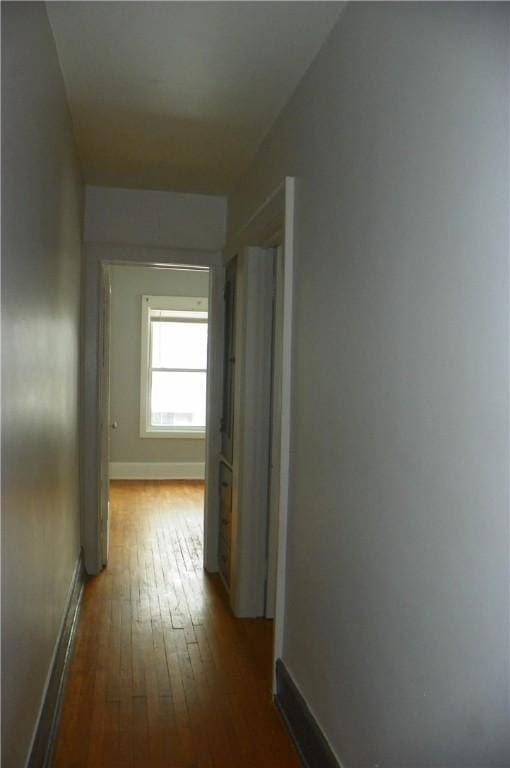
point(174, 433)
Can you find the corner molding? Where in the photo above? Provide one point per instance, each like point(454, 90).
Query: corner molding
point(308, 738)
point(46, 728)
point(157, 470)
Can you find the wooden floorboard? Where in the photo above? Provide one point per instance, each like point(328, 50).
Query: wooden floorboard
point(163, 675)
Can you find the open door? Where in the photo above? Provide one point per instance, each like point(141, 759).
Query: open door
point(275, 435)
point(245, 430)
point(104, 426)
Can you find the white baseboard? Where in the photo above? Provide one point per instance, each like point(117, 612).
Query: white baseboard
point(157, 470)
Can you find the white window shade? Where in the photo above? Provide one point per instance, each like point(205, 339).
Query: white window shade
point(178, 399)
point(179, 344)
point(174, 367)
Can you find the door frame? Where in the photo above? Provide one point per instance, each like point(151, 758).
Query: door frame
point(97, 256)
point(271, 224)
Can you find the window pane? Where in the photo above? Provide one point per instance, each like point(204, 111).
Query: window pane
point(178, 399)
point(179, 345)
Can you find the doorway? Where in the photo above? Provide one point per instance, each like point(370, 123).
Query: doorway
point(153, 384)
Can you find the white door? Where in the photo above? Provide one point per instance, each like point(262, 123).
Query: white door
point(275, 436)
point(104, 399)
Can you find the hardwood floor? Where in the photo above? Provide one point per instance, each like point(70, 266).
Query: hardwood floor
point(162, 673)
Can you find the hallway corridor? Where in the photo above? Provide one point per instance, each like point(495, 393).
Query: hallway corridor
point(162, 674)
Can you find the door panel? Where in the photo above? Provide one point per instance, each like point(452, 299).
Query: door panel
point(227, 415)
point(225, 534)
point(275, 437)
point(104, 395)
point(250, 465)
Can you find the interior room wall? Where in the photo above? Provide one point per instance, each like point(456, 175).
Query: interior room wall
point(41, 253)
point(154, 218)
point(129, 284)
point(396, 623)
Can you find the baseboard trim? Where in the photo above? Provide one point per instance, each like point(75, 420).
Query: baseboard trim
point(310, 742)
point(157, 470)
point(42, 746)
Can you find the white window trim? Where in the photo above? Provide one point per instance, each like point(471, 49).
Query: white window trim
point(188, 303)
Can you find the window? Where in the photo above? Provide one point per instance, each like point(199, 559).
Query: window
point(173, 366)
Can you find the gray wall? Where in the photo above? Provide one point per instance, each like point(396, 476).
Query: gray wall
point(41, 233)
point(154, 218)
point(129, 283)
point(398, 551)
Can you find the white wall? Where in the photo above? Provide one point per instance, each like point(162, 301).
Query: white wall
point(145, 217)
point(398, 553)
point(129, 284)
point(41, 235)
point(121, 226)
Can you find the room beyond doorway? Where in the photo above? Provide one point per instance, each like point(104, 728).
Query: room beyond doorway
point(154, 330)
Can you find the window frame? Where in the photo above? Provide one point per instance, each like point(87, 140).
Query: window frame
point(175, 303)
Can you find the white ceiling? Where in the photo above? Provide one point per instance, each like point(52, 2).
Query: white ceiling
point(179, 95)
